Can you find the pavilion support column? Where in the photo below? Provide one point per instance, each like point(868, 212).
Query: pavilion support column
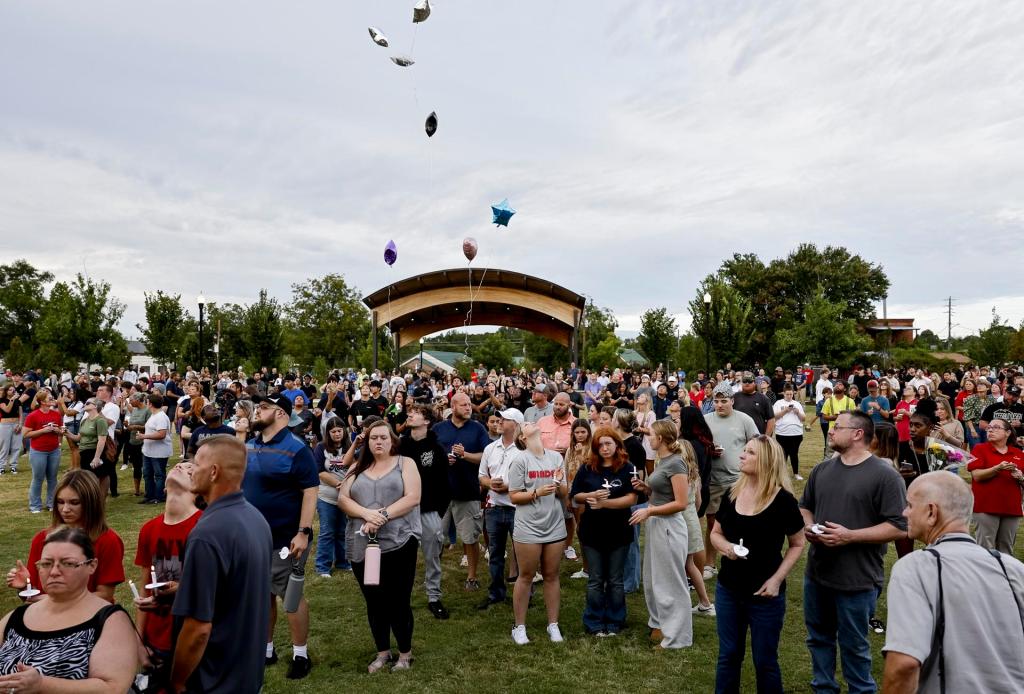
point(373, 338)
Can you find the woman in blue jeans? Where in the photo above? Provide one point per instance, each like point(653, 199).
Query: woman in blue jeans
point(43, 428)
point(756, 516)
point(330, 546)
point(603, 488)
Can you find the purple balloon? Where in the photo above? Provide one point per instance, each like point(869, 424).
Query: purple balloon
point(390, 253)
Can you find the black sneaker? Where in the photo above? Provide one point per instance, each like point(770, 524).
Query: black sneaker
point(299, 668)
point(488, 602)
point(437, 609)
point(876, 626)
point(272, 659)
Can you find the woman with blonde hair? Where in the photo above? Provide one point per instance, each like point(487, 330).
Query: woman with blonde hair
point(645, 417)
point(756, 515)
point(948, 428)
point(668, 492)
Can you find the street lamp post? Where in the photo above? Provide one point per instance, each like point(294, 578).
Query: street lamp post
point(201, 300)
point(707, 334)
point(421, 354)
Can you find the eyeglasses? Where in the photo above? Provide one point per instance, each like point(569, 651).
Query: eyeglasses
point(46, 565)
point(837, 427)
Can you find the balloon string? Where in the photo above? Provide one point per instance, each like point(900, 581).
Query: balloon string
point(472, 295)
point(412, 46)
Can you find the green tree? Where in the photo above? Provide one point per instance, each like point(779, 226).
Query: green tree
point(690, 356)
point(79, 321)
point(1016, 352)
point(327, 319)
point(20, 357)
point(726, 323)
point(823, 336)
point(992, 347)
point(657, 339)
point(927, 339)
point(263, 331)
point(494, 352)
point(606, 353)
point(230, 318)
point(22, 300)
point(545, 352)
point(780, 291)
point(164, 330)
point(597, 324)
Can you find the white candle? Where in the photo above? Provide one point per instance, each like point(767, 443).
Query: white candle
point(152, 573)
point(135, 591)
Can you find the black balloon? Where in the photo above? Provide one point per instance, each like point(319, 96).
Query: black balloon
point(431, 124)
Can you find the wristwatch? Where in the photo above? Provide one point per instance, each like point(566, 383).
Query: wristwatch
point(308, 531)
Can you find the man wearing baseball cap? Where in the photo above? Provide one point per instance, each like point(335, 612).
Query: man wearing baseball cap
point(281, 481)
point(500, 512)
point(1010, 410)
point(875, 405)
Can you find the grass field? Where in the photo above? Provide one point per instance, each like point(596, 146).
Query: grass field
point(472, 651)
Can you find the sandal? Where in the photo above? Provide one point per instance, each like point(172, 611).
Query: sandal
point(403, 663)
point(379, 662)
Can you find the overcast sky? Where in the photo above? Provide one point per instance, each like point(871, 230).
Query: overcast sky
point(228, 146)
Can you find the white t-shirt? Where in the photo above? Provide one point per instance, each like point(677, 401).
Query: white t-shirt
point(162, 448)
point(819, 388)
point(494, 463)
point(790, 423)
point(111, 413)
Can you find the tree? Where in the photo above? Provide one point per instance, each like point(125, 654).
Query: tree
point(493, 352)
point(927, 339)
point(780, 291)
point(726, 324)
point(19, 356)
point(1016, 353)
point(328, 320)
point(657, 339)
point(164, 329)
point(606, 353)
point(22, 300)
point(263, 331)
point(545, 352)
point(597, 324)
point(992, 347)
point(822, 337)
point(690, 356)
point(79, 321)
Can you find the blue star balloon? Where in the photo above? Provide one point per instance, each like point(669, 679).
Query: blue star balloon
point(502, 213)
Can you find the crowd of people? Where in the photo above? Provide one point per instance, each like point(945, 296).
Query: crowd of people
point(664, 486)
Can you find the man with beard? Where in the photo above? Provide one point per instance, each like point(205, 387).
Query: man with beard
point(281, 480)
point(420, 444)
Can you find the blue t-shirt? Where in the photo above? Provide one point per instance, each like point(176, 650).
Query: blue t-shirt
point(462, 476)
point(865, 406)
point(276, 474)
point(225, 580)
point(293, 393)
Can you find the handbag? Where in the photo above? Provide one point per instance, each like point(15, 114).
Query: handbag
point(110, 449)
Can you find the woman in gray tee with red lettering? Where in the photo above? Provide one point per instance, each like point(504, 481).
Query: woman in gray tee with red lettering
point(536, 482)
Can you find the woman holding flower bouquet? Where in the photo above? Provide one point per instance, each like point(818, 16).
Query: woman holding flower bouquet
point(997, 477)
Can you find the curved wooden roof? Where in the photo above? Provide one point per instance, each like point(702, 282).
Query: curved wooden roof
point(425, 304)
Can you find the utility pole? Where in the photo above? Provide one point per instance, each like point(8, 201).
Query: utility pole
point(949, 323)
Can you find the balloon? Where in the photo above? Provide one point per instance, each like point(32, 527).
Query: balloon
point(378, 38)
point(469, 248)
point(502, 213)
point(402, 61)
point(421, 11)
point(431, 124)
point(390, 253)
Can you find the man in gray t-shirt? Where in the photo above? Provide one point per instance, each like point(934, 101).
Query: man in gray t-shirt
point(983, 607)
point(852, 506)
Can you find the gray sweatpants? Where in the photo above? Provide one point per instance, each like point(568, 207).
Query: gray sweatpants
point(432, 542)
point(996, 532)
point(10, 445)
point(664, 573)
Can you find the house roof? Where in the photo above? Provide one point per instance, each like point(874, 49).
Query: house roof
point(631, 356)
point(437, 358)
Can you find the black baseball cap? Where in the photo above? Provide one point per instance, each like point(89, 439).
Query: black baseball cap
point(281, 401)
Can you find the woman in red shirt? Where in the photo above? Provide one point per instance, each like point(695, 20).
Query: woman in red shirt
point(901, 413)
point(79, 504)
point(42, 429)
point(996, 479)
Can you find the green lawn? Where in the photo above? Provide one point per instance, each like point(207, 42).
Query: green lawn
point(472, 651)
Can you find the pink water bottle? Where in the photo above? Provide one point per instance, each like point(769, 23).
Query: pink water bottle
point(371, 566)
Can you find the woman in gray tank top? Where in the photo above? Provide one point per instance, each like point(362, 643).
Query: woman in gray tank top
point(381, 496)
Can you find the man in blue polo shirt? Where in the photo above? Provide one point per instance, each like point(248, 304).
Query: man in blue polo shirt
point(281, 481)
point(291, 389)
point(464, 440)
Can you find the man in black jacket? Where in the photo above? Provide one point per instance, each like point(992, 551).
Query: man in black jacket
point(420, 444)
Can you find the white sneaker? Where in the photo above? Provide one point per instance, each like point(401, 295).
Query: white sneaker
point(800, 477)
point(325, 575)
point(580, 574)
point(553, 633)
point(537, 577)
point(124, 467)
point(487, 555)
point(708, 611)
point(570, 553)
point(519, 635)
point(464, 561)
point(709, 572)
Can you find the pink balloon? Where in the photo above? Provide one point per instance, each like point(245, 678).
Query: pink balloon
point(469, 248)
